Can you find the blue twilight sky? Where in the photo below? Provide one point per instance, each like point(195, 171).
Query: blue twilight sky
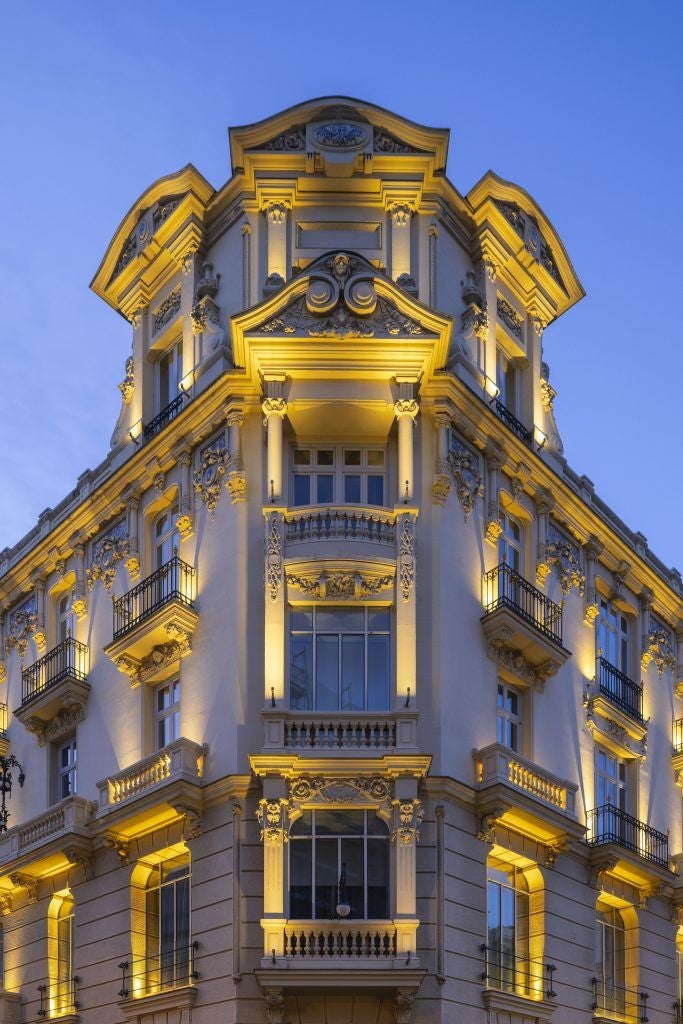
point(578, 102)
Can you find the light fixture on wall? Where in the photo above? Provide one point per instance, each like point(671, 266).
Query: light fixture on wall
point(540, 438)
point(186, 383)
point(343, 906)
point(492, 389)
point(135, 431)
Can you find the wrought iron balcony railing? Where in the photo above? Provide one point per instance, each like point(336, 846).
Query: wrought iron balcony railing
point(618, 1002)
point(508, 971)
point(172, 582)
point(161, 972)
point(161, 419)
point(621, 691)
point(66, 661)
point(504, 588)
point(511, 421)
point(609, 824)
point(59, 998)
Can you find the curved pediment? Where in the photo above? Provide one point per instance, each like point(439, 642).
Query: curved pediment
point(341, 312)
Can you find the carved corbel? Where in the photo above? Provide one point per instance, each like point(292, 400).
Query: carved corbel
point(79, 859)
point(596, 872)
point(208, 477)
point(551, 852)
point(237, 480)
point(592, 549)
point(275, 1006)
point(26, 882)
point(493, 524)
point(648, 893)
point(6, 903)
point(487, 824)
point(646, 599)
point(442, 483)
point(120, 845)
point(192, 820)
point(408, 815)
point(403, 1005)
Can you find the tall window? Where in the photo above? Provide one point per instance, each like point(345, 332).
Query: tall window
point(339, 658)
point(509, 717)
point(507, 380)
point(66, 769)
point(613, 635)
point(610, 958)
point(170, 375)
point(611, 781)
point(66, 620)
point(336, 475)
point(338, 856)
point(166, 536)
point(679, 976)
point(510, 543)
point(507, 942)
point(66, 938)
point(166, 713)
point(168, 924)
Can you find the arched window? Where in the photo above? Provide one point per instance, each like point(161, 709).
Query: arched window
point(165, 536)
point(61, 946)
point(167, 924)
point(610, 959)
point(507, 938)
point(66, 619)
point(338, 857)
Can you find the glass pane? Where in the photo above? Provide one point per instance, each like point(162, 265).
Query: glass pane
point(301, 673)
point(375, 490)
point(327, 673)
point(326, 878)
point(378, 879)
point(301, 619)
point(376, 457)
point(352, 865)
point(324, 489)
point(376, 827)
point(302, 489)
point(353, 673)
point(352, 457)
point(302, 457)
point(378, 673)
point(339, 823)
point(300, 878)
point(379, 621)
point(302, 826)
point(352, 489)
point(342, 620)
point(325, 456)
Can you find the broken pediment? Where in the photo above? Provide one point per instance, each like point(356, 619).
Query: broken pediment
point(147, 226)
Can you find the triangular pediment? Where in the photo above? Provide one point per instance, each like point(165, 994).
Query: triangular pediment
point(341, 310)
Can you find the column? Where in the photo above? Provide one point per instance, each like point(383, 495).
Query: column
point(542, 567)
point(237, 481)
point(592, 550)
point(645, 611)
point(442, 483)
point(493, 527)
point(433, 235)
point(401, 215)
point(184, 523)
point(142, 400)
point(274, 618)
point(407, 817)
point(678, 681)
point(406, 409)
point(274, 411)
point(276, 219)
point(39, 635)
point(133, 559)
point(273, 814)
point(79, 605)
point(246, 265)
point(406, 648)
point(489, 272)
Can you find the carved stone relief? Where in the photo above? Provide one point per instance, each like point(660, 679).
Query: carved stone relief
point(107, 552)
point(273, 554)
point(22, 625)
point(336, 585)
point(527, 228)
point(509, 317)
point(659, 647)
point(141, 235)
point(408, 815)
point(159, 658)
point(563, 554)
point(596, 723)
point(164, 313)
point(464, 467)
point(127, 385)
point(208, 477)
point(406, 556)
point(515, 662)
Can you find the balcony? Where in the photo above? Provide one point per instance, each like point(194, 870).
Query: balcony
point(614, 711)
point(522, 625)
point(511, 421)
point(51, 841)
point(156, 985)
point(154, 623)
point(59, 1000)
point(343, 526)
point(153, 788)
point(524, 795)
point(637, 848)
point(54, 685)
point(618, 1004)
point(341, 733)
point(621, 691)
point(156, 425)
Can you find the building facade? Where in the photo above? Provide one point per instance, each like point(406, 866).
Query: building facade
point(337, 695)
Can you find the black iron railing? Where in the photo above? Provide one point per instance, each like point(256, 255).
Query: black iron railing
point(677, 1017)
point(507, 971)
point(619, 1002)
point(161, 419)
point(59, 998)
point(609, 824)
point(620, 690)
point(172, 582)
point(170, 969)
point(66, 661)
point(504, 588)
point(678, 738)
point(511, 421)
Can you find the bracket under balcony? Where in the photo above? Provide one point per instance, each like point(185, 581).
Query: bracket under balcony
point(54, 691)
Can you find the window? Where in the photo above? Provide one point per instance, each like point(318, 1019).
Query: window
point(66, 620)
point(170, 375)
point(610, 780)
point(66, 939)
point(509, 717)
point(679, 976)
point(336, 475)
point(166, 536)
point(66, 769)
point(612, 636)
point(166, 713)
point(610, 959)
point(507, 380)
point(167, 916)
point(507, 941)
point(338, 856)
point(339, 658)
point(510, 543)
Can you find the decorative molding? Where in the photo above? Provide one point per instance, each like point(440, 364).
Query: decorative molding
point(564, 555)
point(509, 316)
point(275, 1006)
point(120, 845)
point(597, 871)
point(408, 815)
point(659, 647)
point(527, 228)
point(208, 477)
point(273, 553)
point(273, 817)
point(63, 722)
point(127, 385)
point(486, 832)
point(291, 141)
point(5, 903)
point(21, 881)
point(159, 658)
point(112, 548)
point(403, 1005)
point(384, 142)
point(374, 790)
point(336, 585)
point(166, 312)
point(406, 555)
point(22, 625)
point(79, 859)
point(338, 135)
point(606, 726)
point(515, 662)
point(192, 821)
point(464, 467)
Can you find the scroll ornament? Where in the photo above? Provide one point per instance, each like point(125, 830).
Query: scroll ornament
point(111, 549)
point(563, 555)
point(658, 648)
point(23, 624)
point(208, 478)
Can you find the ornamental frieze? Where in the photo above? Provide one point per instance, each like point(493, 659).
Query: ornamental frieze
point(208, 477)
point(273, 554)
point(164, 313)
point(509, 316)
point(515, 662)
point(659, 648)
point(337, 585)
point(291, 141)
point(107, 552)
point(273, 817)
point(341, 302)
point(563, 555)
point(384, 142)
point(361, 789)
point(406, 555)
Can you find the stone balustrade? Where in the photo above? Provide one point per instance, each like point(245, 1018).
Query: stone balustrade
point(340, 731)
point(370, 525)
point(68, 817)
point(355, 940)
point(496, 764)
point(181, 759)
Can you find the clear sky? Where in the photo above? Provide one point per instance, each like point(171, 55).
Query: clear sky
point(580, 103)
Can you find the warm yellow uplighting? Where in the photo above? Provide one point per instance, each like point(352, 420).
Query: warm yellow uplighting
point(540, 437)
point(492, 389)
point(186, 383)
point(135, 431)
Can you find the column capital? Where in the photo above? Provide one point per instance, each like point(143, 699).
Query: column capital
point(401, 214)
point(406, 407)
point(272, 406)
point(276, 211)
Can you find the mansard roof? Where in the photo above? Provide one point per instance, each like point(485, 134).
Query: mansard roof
point(341, 314)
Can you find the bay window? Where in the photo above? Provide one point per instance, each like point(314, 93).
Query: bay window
point(336, 474)
point(339, 658)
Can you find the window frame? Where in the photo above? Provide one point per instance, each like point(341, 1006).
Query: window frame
point(155, 890)
point(174, 351)
point(65, 617)
point(170, 713)
point(509, 719)
point(614, 987)
point(500, 976)
point(614, 631)
point(508, 374)
point(508, 542)
point(339, 471)
point(70, 770)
